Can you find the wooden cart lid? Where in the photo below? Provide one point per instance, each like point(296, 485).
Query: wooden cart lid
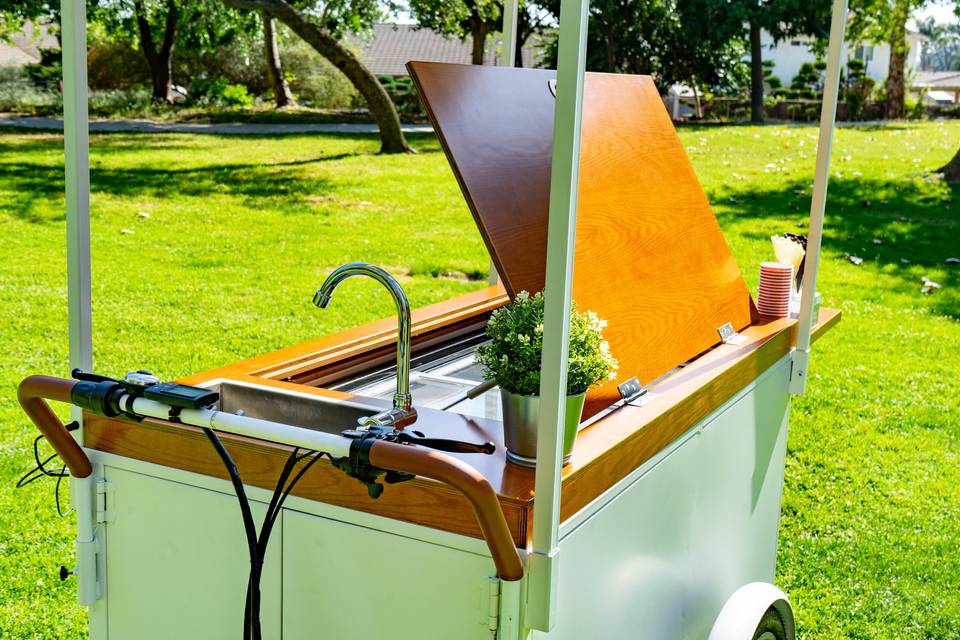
point(650, 257)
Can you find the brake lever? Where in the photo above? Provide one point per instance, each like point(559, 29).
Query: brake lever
point(83, 376)
point(443, 444)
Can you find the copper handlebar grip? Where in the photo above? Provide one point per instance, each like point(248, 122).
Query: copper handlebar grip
point(33, 393)
point(469, 481)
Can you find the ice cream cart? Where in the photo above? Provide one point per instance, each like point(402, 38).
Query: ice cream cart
point(663, 524)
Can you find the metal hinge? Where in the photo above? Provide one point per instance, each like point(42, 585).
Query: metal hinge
point(493, 611)
point(729, 335)
point(104, 501)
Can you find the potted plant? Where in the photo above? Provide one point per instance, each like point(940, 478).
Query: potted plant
point(512, 358)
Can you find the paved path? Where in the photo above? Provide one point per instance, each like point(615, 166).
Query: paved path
point(148, 126)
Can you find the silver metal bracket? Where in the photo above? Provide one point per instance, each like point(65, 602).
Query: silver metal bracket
point(493, 604)
point(798, 372)
point(104, 496)
point(635, 394)
point(728, 335)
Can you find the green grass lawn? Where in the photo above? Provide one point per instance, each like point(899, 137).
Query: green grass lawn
point(207, 249)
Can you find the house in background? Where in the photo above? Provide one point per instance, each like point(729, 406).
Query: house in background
point(24, 48)
point(387, 48)
point(939, 88)
point(789, 54)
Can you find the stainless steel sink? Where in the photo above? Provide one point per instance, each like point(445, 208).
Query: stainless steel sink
point(290, 407)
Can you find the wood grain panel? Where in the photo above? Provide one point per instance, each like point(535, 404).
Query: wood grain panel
point(650, 257)
point(496, 129)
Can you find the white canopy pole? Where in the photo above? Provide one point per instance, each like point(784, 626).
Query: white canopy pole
point(828, 113)
point(507, 56)
point(510, 14)
point(542, 567)
point(73, 24)
point(77, 170)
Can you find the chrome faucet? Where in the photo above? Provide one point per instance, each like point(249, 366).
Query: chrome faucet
point(402, 412)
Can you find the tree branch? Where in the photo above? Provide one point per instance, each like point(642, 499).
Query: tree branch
point(254, 5)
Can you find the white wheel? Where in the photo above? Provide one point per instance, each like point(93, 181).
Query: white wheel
point(757, 611)
point(770, 627)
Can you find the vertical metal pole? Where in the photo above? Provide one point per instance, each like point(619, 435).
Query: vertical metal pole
point(508, 55)
point(828, 113)
point(77, 173)
point(543, 566)
point(510, 14)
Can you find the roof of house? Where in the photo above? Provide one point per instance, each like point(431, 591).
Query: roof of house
point(24, 47)
point(388, 47)
point(937, 79)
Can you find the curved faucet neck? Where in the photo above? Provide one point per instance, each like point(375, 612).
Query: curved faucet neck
point(402, 400)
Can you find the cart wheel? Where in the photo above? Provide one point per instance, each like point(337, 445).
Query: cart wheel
point(756, 611)
point(770, 627)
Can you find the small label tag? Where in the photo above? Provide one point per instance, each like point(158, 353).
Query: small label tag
point(729, 336)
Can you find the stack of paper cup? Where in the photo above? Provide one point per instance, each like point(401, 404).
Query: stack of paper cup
point(776, 285)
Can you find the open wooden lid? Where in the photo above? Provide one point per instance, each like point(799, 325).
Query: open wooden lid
point(650, 257)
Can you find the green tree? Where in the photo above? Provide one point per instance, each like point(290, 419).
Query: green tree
point(941, 52)
point(781, 19)
point(460, 18)
point(282, 95)
point(157, 26)
point(321, 25)
point(886, 21)
point(687, 41)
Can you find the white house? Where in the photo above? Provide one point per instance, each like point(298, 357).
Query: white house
point(787, 55)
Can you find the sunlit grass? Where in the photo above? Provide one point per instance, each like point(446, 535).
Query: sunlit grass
point(231, 235)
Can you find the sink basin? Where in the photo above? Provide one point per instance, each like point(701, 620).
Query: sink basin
point(290, 407)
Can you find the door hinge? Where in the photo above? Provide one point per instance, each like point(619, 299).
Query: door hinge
point(493, 612)
point(104, 501)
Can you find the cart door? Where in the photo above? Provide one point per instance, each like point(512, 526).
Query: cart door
point(177, 562)
point(346, 581)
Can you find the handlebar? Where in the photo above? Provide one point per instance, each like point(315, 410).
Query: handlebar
point(35, 390)
point(33, 394)
point(467, 480)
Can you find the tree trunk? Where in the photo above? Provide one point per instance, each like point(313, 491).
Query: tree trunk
point(756, 74)
point(271, 52)
point(478, 35)
point(898, 58)
point(951, 170)
point(378, 101)
point(160, 61)
point(521, 40)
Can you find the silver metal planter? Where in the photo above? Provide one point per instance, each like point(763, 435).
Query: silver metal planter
point(521, 415)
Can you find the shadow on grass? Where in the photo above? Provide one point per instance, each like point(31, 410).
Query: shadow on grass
point(897, 226)
point(27, 183)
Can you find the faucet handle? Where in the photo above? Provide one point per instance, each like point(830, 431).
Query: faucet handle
point(444, 444)
point(396, 418)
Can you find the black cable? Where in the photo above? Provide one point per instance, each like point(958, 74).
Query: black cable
point(261, 541)
point(41, 471)
point(257, 545)
point(249, 625)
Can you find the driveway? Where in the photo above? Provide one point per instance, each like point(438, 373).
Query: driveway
point(148, 126)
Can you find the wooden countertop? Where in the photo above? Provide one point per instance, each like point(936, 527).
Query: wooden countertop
point(606, 451)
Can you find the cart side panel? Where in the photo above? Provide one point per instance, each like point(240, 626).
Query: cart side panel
point(177, 562)
point(346, 581)
point(659, 558)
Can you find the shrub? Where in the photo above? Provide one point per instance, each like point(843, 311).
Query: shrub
point(313, 80)
point(19, 94)
point(513, 355)
point(218, 92)
point(119, 102)
point(404, 95)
